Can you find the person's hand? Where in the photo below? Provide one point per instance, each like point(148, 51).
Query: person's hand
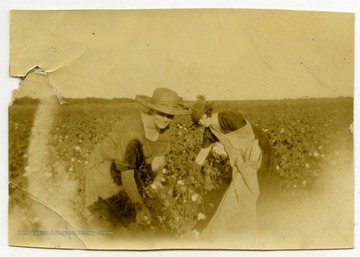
point(156, 184)
point(143, 216)
point(219, 149)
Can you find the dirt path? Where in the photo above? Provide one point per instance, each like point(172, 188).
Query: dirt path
point(48, 197)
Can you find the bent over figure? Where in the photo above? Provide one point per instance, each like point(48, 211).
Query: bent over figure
point(251, 159)
point(131, 157)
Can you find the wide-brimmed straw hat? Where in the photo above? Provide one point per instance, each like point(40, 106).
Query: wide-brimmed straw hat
point(164, 100)
point(199, 109)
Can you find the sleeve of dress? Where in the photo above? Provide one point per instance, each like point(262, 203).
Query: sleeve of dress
point(208, 138)
point(163, 146)
point(133, 156)
point(123, 147)
point(129, 152)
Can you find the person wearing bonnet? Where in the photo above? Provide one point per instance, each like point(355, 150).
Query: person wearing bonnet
point(247, 205)
point(130, 158)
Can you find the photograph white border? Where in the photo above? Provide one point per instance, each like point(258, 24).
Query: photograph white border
point(8, 84)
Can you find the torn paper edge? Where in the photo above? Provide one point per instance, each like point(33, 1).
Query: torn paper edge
point(35, 70)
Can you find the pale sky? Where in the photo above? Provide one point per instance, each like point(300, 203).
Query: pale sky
point(228, 54)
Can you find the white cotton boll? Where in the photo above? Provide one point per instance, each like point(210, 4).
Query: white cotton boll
point(180, 182)
point(201, 216)
point(161, 219)
point(219, 149)
point(194, 197)
point(196, 234)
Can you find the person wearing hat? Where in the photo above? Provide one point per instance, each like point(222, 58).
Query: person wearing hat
point(252, 161)
point(130, 158)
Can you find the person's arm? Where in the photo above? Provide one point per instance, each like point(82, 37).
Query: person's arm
point(157, 166)
point(142, 213)
point(208, 140)
point(202, 155)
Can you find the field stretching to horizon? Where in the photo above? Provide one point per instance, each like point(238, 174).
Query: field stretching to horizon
point(50, 146)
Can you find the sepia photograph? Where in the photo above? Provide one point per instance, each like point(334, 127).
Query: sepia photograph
point(219, 129)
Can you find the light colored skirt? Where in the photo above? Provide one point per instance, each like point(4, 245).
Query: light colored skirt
point(235, 218)
point(99, 182)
